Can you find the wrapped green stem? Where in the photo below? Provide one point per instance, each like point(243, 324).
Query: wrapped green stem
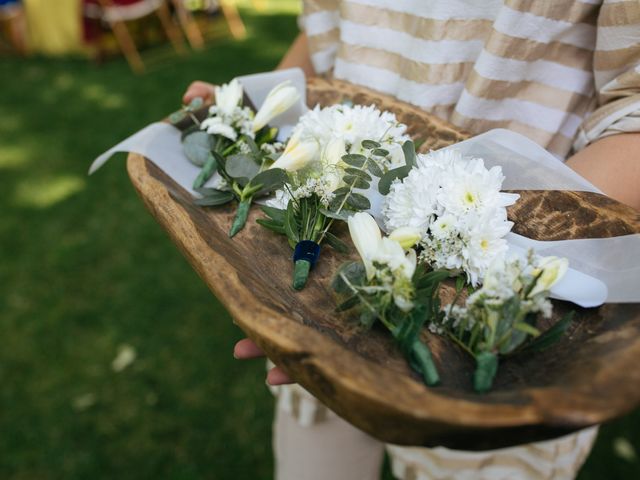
point(486, 369)
point(301, 271)
point(208, 169)
point(240, 219)
point(421, 356)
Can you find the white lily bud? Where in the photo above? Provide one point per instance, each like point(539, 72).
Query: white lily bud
point(331, 158)
point(228, 96)
point(366, 237)
point(553, 269)
point(392, 254)
point(279, 100)
point(297, 154)
point(407, 237)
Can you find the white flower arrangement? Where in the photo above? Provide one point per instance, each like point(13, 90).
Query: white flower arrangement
point(456, 204)
point(500, 316)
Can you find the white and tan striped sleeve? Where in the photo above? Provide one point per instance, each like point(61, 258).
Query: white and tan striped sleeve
point(320, 21)
point(616, 66)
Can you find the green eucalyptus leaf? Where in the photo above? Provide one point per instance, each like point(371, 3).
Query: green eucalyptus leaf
point(370, 144)
point(356, 172)
point(269, 180)
point(358, 201)
point(342, 215)
point(354, 159)
point(335, 243)
point(354, 273)
point(356, 182)
point(384, 185)
point(380, 152)
point(214, 198)
point(197, 147)
point(409, 150)
point(374, 168)
point(342, 191)
point(241, 166)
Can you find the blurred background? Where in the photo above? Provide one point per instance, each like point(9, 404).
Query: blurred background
point(116, 359)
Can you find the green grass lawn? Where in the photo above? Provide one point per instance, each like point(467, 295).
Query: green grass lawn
point(85, 272)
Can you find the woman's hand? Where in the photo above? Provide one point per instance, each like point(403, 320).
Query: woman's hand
point(200, 89)
point(246, 349)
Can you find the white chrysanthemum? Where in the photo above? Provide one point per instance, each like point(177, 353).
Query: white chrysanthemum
point(412, 202)
point(457, 203)
point(469, 187)
point(352, 124)
point(215, 126)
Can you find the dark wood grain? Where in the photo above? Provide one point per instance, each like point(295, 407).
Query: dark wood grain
point(587, 378)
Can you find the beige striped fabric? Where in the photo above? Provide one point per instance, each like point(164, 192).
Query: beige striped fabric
point(562, 72)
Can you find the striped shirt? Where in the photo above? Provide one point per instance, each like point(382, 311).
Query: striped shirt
point(562, 72)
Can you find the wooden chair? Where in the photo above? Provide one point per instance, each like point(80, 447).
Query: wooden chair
point(13, 19)
point(115, 13)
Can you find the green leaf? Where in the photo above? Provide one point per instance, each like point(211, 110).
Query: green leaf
point(359, 202)
point(380, 152)
point(354, 159)
point(301, 274)
point(356, 182)
point(374, 168)
point(342, 191)
point(356, 172)
point(214, 198)
point(335, 243)
point(526, 328)
point(207, 171)
point(275, 214)
point(370, 144)
point(348, 304)
point(427, 278)
point(409, 150)
point(290, 225)
point(550, 336)
point(271, 225)
point(197, 147)
point(342, 215)
point(269, 180)
point(354, 273)
point(241, 167)
point(384, 185)
point(240, 219)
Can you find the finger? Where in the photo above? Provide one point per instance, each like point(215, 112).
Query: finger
point(246, 349)
point(278, 377)
point(198, 89)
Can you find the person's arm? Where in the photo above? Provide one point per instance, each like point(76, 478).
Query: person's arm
point(613, 165)
point(298, 56)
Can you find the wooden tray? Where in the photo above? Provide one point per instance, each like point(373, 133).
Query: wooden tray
point(589, 377)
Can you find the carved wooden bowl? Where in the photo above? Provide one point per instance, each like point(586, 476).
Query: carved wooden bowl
point(590, 376)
